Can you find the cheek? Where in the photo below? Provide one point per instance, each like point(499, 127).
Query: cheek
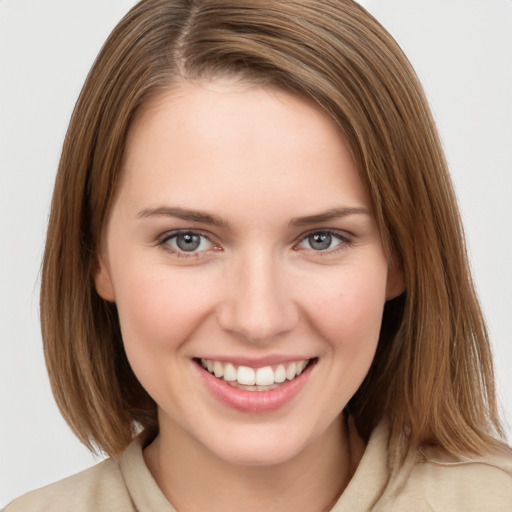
point(347, 308)
point(354, 297)
point(159, 310)
point(159, 313)
point(348, 315)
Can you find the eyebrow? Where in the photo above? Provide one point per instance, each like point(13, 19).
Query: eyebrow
point(208, 218)
point(184, 214)
point(332, 214)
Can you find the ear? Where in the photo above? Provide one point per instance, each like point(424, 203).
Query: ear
point(102, 280)
point(396, 280)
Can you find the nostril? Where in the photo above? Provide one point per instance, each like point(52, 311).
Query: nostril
point(257, 323)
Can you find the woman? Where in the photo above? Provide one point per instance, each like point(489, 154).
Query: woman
point(255, 259)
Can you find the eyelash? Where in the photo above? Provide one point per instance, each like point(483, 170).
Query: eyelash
point(163, 241)
point(167, 237)
point(343, 239)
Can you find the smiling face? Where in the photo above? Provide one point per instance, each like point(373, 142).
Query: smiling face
point(247, 269)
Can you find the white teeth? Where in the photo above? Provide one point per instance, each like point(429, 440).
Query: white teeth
point(230, 372)
point(300, 366)
point(291, 371)
point(246, 376)
point(218, 369)
point(260, 379)
point(280, 374)
point(264, 376)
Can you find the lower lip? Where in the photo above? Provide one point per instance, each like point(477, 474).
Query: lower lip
point(254, 401)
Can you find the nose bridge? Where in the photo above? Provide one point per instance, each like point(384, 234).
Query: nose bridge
point(258, 305)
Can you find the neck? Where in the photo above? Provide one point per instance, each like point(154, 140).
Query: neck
point(193, 478)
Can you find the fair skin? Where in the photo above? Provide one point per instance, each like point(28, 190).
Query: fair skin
point(242, 236)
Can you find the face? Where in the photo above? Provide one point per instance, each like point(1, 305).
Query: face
point(247, 269)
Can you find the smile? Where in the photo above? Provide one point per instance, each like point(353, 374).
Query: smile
point(265, 378)
point(254, 389)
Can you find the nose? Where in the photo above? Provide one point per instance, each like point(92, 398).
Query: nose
point(258, 303)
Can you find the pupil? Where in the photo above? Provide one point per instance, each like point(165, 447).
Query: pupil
point(188, 242)
point(320, 241)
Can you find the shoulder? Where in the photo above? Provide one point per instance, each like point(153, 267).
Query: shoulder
point(100, 488)
point(445, 484)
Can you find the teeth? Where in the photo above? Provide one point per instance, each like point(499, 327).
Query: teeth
point(264, 376)
point(259, 378)
point(246, 376)
point(230, 372)
point(300, 367)
point(280, 373)
point(218, 369)
point(291, 371)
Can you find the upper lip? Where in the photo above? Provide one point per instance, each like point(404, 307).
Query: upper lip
point(256, 362)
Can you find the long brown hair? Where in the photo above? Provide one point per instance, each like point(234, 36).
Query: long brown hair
point(432, 377)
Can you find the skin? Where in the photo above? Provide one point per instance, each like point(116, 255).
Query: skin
point(257, 159)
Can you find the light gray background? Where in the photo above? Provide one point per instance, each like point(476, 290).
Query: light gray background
point(462, 51)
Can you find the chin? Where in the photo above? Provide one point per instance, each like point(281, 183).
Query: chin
point(259, 448)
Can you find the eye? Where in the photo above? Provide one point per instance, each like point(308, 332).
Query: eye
point(323, 241)
point(182, 242)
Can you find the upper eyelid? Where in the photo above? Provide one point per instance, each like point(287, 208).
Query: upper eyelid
point(163, 243)
point(345, 241)
point(174, 232)
point(339, 233)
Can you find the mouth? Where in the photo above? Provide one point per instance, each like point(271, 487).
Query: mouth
point(265, 378)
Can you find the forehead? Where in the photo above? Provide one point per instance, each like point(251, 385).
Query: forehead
point(221, 139)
